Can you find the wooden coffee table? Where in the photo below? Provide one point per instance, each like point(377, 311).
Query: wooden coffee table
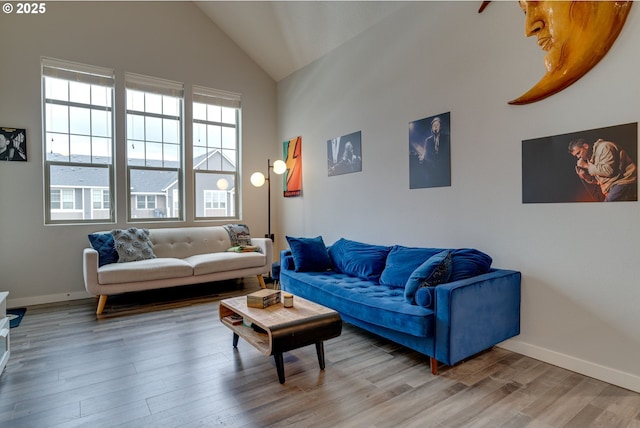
point(283, 329)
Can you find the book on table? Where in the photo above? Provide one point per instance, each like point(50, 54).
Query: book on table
point(263, 298)
point(233, 319)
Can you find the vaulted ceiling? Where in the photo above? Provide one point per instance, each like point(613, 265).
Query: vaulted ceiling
point(284, 36)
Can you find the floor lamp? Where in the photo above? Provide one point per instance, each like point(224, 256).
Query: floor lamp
point(258, 179)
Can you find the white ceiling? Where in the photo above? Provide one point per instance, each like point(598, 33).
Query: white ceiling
point(284, 36)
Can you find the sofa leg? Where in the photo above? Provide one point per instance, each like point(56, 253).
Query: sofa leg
point(434, 366)
point(101, 302)
point(261, 281)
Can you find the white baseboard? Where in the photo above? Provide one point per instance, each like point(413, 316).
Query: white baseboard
point(587, 368)
point(50, 298)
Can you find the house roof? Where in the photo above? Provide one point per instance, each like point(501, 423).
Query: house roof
point(146, 181)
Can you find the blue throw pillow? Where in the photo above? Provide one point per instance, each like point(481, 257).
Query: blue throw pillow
point(309, 254)
point(469, 262)
point(436, 270)
point(357, 259)
point(103, 243)
point(402, 261)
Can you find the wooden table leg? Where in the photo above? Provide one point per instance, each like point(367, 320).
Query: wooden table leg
point(235, 340)
point(320, 352)
point(279, 366)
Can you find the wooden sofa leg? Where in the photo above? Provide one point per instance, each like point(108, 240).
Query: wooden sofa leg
point(261, 281)
point(101, 302)
point(434, 366)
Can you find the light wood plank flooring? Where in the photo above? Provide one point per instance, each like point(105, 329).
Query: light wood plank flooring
point(162, 359)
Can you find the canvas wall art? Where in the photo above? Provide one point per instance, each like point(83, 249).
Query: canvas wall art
point(13, 144)
point(344, 154)
point(292, 181)
point(596, 165)
point(430, 152)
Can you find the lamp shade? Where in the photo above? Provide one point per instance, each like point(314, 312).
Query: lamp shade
point(279, 167)
point(222, 184)
point(257, 179)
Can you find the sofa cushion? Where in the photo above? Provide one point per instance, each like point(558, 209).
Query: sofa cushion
point(238, 234)
point(220, 262)
point(103, 243)
point(402, 261)
point(358, 259)
point(364, 300)
point(434, 271)
point(182, 242)
point(468, 262)
point(144, 270)
point(309, 254)
point(132, 244)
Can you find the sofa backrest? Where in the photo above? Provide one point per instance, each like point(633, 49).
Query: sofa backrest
point(181, 242)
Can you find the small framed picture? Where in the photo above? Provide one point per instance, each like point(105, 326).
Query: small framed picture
point(13, 144)
point(430, 152)
point(344, 154)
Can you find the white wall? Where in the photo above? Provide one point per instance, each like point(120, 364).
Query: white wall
point(170, 40)
point(580, 291)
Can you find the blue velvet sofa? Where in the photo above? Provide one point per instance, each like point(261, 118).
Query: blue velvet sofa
point(448, 304)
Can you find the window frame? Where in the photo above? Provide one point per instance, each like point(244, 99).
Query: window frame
point(71, 72)
point(152, 87)
point(222, 99)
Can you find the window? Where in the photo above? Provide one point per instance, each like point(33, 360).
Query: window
point(63, 199)
point(78, 141)
point(100, 199)
point(154, 147)
point(216, 142)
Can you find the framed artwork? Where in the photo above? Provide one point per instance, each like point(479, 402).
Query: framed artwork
point(13, 144)
point(596, 165)
point(344, 154)
point(292, 182)
point(430, 152)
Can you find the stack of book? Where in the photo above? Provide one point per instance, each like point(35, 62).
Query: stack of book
point(263, 298)
point(233, 319)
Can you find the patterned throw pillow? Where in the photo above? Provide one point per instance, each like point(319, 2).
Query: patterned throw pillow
point(238, 234)
point(436, 270)
point(103, 243)
point(133, 244)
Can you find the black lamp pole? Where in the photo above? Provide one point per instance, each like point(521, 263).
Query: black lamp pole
point(269, 234)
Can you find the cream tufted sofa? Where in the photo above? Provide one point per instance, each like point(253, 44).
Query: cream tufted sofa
point(185, 255)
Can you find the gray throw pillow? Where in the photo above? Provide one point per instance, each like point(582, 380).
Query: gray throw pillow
point(132, 244)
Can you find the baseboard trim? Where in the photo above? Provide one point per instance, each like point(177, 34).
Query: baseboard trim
point(49, 298)
point(587, 368)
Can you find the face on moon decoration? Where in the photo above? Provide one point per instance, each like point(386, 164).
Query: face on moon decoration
point(575, 35)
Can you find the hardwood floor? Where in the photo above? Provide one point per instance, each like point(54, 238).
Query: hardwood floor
point(162, 359)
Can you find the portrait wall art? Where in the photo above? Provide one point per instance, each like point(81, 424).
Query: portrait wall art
point(430, 152)
point(292, 181)
point(13, 144)
point(344, 154)
point(596, 165)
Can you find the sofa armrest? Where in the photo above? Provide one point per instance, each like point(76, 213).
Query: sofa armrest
point(476, 313)
point(90, 270)
point(266, 247)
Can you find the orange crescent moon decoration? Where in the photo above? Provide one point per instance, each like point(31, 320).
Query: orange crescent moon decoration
point(575, 35)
